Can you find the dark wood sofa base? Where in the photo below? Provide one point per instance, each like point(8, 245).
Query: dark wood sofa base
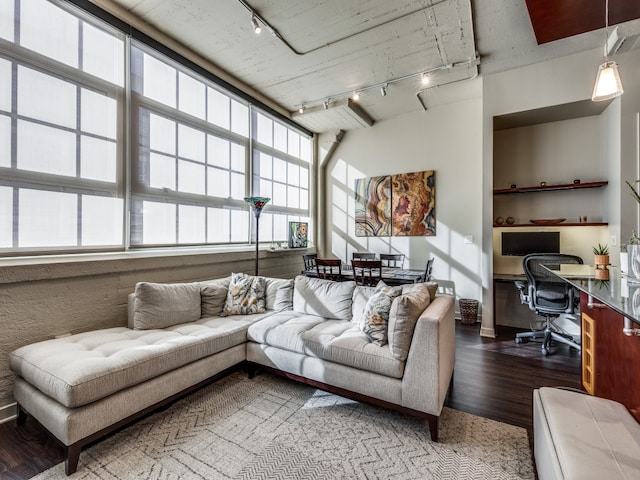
point(432, 420)
point(72, 452)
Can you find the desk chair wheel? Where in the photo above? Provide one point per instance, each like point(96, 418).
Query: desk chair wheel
point(545, 351)
point(519, 340)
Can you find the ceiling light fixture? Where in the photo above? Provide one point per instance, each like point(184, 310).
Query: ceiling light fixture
point(608, 84)
point(310, 105)
point(256, 25)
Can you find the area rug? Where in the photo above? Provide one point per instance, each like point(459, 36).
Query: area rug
point(273, 428)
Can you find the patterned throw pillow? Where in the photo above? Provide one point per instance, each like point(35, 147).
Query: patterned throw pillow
point(245, 296)
point(375, 318)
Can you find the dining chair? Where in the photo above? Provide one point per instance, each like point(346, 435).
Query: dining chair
point(363, 256)
point(367, 272)
point(309, 261)
point(392, 260)
point(428, 270)
point(329, 268)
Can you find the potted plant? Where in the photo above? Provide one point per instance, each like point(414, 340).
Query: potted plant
point(601, 255)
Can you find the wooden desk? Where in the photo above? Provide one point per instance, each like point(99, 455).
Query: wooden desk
point(390, 276)
point(610, 358)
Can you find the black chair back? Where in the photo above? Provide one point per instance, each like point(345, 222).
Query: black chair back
point(329, 268)
point(309, 260)
point(363, 256)
point(367, 272)
point(392, 260)
point(428, 270)
point(546, 292)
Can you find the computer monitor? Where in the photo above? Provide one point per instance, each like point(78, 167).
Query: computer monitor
point(524, 243)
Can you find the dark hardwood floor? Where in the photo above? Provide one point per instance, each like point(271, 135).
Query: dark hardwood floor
point(493, 378)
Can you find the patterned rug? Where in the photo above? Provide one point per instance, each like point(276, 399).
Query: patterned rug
point(273, 428)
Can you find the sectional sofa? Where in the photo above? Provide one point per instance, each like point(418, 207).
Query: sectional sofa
point(393, 346)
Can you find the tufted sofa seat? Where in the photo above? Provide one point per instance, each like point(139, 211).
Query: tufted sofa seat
point(86, 367)
point(182, 336)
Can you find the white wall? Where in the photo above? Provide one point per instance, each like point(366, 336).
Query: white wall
point(446, 139)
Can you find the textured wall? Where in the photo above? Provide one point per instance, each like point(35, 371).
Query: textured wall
point(40, 301)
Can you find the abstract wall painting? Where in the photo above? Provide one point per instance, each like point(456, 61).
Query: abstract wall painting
point(413, 204)
point(398, 205)
point(298, 234)
point(373, 206)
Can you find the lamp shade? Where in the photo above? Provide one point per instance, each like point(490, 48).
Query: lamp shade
point(608, 84)
point(257, 204)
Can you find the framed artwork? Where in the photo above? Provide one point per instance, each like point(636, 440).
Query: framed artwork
point(398, 205)
point(373, 206)
point(298, 234)
point(413, 204)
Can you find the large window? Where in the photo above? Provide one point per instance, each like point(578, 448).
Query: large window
point(196, 150)
point(61, 91)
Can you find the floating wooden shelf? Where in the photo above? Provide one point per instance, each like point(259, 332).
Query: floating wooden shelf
point(563, 224)
point(549, 188)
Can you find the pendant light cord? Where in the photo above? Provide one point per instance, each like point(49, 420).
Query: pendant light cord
point(606, 30)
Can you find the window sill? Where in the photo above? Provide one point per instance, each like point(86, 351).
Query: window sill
point(45, 267)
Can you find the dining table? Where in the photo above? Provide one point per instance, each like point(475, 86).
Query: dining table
point(391, 276)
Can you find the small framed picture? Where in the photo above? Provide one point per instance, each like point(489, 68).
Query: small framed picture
point(298, 234)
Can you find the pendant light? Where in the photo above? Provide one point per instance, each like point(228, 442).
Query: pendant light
point(608, 84)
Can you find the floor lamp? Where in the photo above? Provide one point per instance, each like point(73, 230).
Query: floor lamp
point(257, 204)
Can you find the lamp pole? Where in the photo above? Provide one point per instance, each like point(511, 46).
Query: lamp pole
point(257, 204)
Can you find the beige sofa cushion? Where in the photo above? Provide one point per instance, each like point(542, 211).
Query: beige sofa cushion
point(404, 314)
point(331, 300)
point(279, 294)
point(85, 367)
point(213, 297)
point(336, 341)
point(160, 305)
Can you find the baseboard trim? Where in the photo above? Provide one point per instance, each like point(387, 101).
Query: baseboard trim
point(8, 412)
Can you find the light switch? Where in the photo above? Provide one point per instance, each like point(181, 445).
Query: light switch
point(468, 239)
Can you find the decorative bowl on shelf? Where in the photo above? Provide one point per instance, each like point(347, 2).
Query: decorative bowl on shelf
point(546, 221)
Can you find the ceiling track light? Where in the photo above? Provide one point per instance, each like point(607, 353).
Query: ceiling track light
point(608, 84)
point(256, 25)
point(354, 95)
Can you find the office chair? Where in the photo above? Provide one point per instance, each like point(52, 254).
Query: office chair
point(548, 296)
point(309, 261)
point(392, 260)
point(329, 268)
point(363, 256)
point(367, 272)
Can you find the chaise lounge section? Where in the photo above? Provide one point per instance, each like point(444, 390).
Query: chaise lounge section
point(182, 336)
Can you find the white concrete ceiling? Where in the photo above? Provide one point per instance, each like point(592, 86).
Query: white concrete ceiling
point(326, 49)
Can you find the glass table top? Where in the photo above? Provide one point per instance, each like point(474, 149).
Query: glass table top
point(608, 286)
